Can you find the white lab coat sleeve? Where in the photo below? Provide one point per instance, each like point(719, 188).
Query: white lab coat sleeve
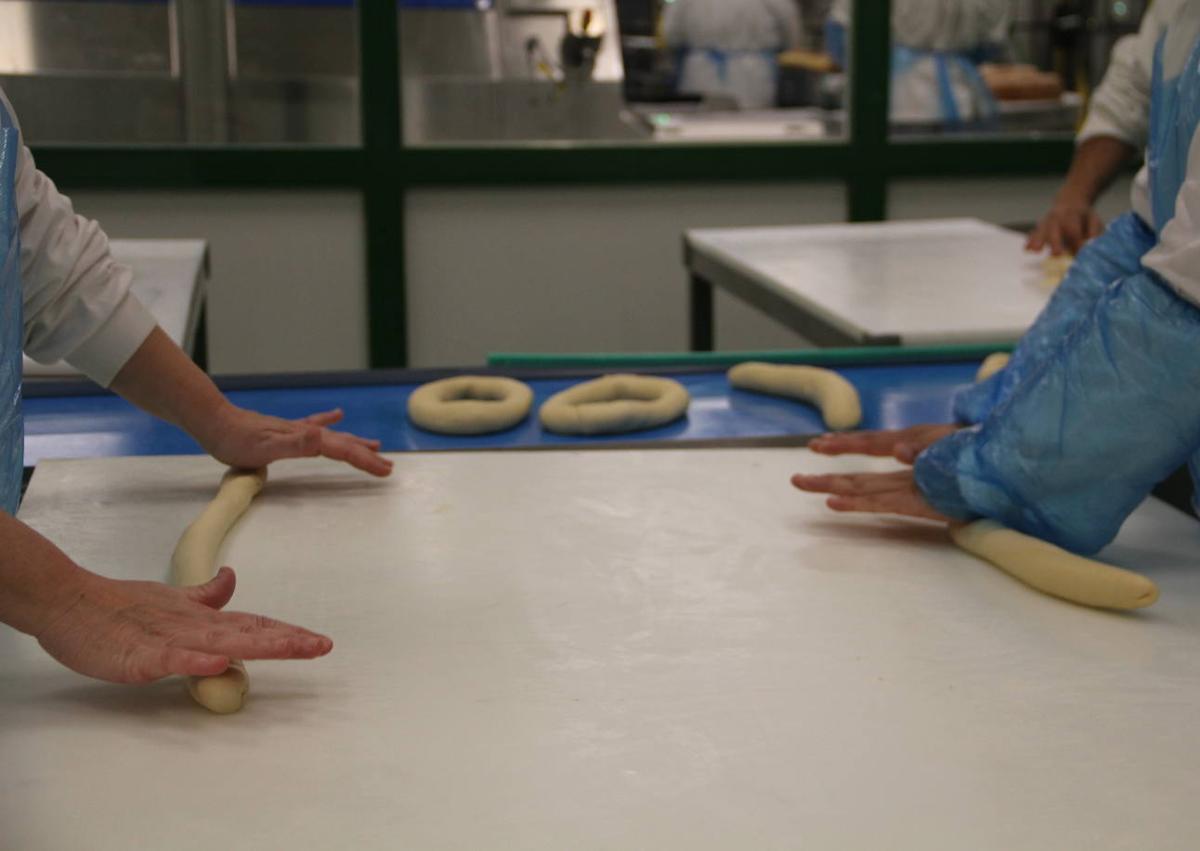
point(839, 12)
point(950, 25)
point(1176, 258)
point(674, 24)
point(77, 305)
point(791, 25)
point(1120, 105)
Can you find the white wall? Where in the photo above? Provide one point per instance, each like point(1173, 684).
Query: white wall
point(580, 269)
point(288, 288)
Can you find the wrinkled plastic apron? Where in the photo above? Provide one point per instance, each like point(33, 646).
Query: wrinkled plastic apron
point(1174, 115)
point(11, 429)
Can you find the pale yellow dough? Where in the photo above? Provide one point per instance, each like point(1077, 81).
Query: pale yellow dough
point(470, 404)
point(615, 404)
point(834, 395)
point(1054, 269)
point(194, 562)
point(991, 365)
point(1055, 571)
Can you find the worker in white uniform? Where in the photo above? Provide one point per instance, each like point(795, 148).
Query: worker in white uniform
point(1101, 400)
point(63, 297)
point(936, 48)
point(730, 46)
point(1112, 135)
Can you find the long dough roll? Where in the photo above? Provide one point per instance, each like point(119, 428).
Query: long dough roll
point(834, 395)
point(194, 563)
point(1053, 570)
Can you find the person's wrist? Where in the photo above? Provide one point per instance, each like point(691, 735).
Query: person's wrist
point(60, 590)
point(1073, 196)
point(212, 425)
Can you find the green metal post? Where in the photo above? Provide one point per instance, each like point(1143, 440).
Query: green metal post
point(383, 185)
point(870, 80)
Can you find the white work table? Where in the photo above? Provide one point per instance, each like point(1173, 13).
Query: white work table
point(170, 277)
point(617, 650)
point(892, 283)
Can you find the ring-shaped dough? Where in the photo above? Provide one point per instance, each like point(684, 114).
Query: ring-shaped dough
point(470, 404)
point(991, 365)
point(194, 562)
point(834, 395)
point(1055, 571)
point(615, 404)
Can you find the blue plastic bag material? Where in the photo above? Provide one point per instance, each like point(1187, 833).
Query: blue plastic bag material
point(11, 423)
point(1174, 116)
point(1109, 257)
point(1080, 442)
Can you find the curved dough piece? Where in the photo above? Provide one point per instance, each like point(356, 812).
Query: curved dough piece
point(991, 365)
point(834, 395)
point(470, 404)
point(615, 404)
point(1055, 571)
point(194, 562)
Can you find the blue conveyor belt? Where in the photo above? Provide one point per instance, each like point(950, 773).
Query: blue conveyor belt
point(893, 396)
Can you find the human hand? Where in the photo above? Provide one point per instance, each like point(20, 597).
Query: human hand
point(1067, 226)
point(878, 493)
point(902, 444)
point(137, 632)
point(248, 440)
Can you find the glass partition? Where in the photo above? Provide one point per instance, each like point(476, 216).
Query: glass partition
point(1000, 67)
point(182, 71)
point(618, 71)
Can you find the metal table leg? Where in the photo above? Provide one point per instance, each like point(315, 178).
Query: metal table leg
point(701, 314)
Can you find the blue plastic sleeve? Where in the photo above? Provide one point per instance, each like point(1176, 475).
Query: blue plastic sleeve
point(1111, 410)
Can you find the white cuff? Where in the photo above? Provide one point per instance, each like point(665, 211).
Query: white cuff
point(102, 355)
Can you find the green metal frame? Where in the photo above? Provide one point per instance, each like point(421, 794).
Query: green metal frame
point(383, 170)
point(861, 356)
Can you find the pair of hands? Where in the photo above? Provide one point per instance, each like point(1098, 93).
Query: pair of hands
point(879, 493)
point(137, 632)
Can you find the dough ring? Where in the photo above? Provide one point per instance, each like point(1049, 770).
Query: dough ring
point(615, 404)
point(991, 365)
point(194, 562)
point(834, 395)
point(1055, 571)
point(470, 404)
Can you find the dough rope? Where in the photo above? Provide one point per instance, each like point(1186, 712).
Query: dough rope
point(991, 365)
point(834, 395)
point(470, 404)
point(615, 404)
point(194, 563)
point(1055, 571)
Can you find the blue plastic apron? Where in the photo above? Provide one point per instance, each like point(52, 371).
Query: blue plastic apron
point(1174, 116)
point(11, 427)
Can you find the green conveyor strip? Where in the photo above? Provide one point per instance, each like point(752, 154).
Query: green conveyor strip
point(862, 356)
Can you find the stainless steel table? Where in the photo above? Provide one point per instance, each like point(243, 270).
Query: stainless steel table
point(883, 284)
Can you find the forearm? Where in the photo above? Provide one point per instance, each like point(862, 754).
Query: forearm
point(1093, 169)
point(162, 380)
point(37, 579)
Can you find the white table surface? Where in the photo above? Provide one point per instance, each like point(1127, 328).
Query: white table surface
point(927, 282)
point(169, 277)
point(618, 650)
